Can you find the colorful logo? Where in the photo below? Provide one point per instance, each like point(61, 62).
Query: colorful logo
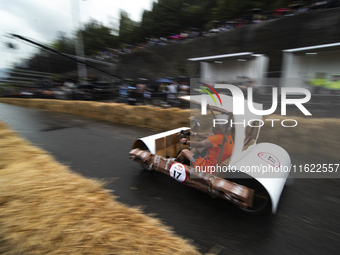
point(269, 158)
point(205, 90)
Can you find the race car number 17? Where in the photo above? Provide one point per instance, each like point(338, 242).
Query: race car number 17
point(178, 172)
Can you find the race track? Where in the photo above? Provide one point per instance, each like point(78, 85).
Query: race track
point(306, 221)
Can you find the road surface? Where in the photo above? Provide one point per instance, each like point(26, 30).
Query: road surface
point(307, 220)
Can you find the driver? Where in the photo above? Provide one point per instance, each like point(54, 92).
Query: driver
point(205, 153)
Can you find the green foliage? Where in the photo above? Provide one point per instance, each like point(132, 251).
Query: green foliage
point(175, 16)
point(166, 17)
point(325, 83)
point(64, 44)
point(229, 9)
point(97, 37)
point(318, 82)
point(127, 28)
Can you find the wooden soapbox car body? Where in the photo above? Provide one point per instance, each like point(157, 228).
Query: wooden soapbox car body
point(261, 169)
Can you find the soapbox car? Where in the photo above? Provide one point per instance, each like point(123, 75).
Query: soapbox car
point(252, 178)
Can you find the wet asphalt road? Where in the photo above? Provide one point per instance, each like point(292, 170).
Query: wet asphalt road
point(307, 220)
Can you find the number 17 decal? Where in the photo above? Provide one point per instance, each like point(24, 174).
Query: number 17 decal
point(178, 172)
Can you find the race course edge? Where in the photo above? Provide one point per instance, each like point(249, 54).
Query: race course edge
point(48, 209)
point(316, 137)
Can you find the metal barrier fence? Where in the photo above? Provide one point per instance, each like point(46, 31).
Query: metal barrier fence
point(160, 99)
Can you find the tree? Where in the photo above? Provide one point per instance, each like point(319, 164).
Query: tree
point(127, 27)
point(97, 37)
point(64, 44)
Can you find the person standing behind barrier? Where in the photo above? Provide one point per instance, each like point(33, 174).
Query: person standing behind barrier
point(172, 94)
point(140, 89)
point(67, 87)
point(184, 88)
point(162, 88)
point(124, 93)
point(162, 94)
point(147, 96)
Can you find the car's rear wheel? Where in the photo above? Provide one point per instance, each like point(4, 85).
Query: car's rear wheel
point(261, 201)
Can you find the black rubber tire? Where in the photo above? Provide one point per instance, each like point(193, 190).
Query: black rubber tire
point(261, 202)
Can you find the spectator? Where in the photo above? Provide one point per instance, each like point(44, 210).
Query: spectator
point(162, 88)
point(140, 89)
point(172, 93)
point(184, 88)
point(124, 93)
point(147, 96)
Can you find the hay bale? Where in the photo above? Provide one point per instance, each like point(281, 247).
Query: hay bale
point(158, 124)
point(8, 101)
point(60, 106)
point(26, 102)
point(309, 134)
point(116, 112)
point(136, 121)
point(106, 111)
point(167, 119)
point(170, 113)
point(77, 108)
point(125, 113)
point(144, 111)
point(159, 113)
point(97, 110)
point(312, 137)
point(38, 103)
point(47, 209)
point(86, 109)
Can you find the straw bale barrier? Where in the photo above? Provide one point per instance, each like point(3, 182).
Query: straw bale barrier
point(312, 137)
point(47, 209)
point(316, 137)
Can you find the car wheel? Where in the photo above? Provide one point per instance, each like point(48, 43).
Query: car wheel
point(261, 202)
